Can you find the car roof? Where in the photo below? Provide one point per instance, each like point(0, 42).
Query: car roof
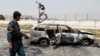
point(52, 24)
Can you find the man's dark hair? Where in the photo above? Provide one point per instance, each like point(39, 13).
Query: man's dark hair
point(16, 14)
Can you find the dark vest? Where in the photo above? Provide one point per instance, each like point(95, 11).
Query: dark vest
point(17, 35)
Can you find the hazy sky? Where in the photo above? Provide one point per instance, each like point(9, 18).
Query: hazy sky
point(53, 7)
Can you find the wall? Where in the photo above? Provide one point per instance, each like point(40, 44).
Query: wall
point(75, 24)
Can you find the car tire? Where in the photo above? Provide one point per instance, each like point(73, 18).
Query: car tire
point(44, 42)
point(85, 42)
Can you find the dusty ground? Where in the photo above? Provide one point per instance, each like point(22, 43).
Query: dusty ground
point(35, 50)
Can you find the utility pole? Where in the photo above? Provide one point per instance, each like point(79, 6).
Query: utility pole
point(55, 17)
point(65, 18)
point(87, 16)
point(75, 17)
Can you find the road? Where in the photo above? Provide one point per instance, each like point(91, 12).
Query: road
point(35, 50)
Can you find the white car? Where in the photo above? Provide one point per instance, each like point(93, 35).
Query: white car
point(44, 33)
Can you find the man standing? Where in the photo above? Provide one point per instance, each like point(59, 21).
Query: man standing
point(41, 12)
point(14, 36)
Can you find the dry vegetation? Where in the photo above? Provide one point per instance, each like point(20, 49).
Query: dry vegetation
point(24, 27)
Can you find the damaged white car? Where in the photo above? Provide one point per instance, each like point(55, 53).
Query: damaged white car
point(44, 34)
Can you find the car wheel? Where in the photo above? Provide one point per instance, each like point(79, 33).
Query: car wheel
point(44, 42)
point(85, 42)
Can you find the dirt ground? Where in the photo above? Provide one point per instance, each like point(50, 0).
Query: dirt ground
point(62, 50)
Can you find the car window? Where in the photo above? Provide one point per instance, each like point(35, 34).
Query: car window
point(64, 28)
point(40, 28)
point(52, 27)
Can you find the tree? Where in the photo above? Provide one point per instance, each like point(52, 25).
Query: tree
point(2, 17)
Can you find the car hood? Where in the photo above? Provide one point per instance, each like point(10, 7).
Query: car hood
point(86, 32)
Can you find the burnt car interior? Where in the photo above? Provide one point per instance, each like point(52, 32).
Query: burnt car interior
point(39, 29)
point(51, 30)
